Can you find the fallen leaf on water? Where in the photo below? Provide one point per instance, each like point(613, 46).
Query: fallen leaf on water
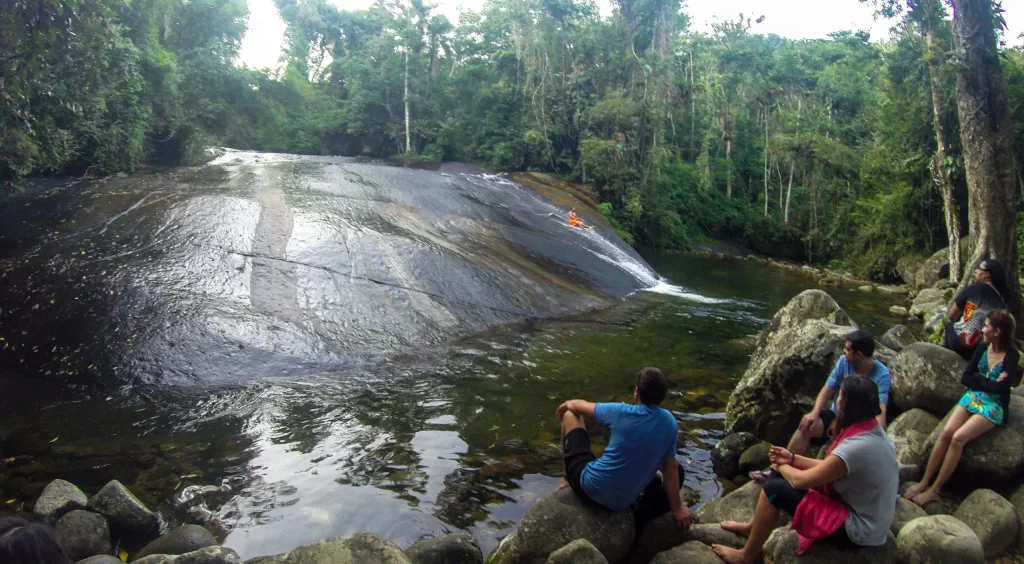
point(54, 439)
point(10, 501)
point(123, 556)
point(490, 447)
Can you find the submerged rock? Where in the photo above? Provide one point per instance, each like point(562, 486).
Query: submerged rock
point(59, 498)
point(83, 534)
point(938, 539)
point(755, 458)
point(187, 538)
point(992, 518)
point(447, 549)
point(123, 509)
point(101, 559)
point(31, 441)
point(927, 376)
point(556, 520)
point(579, 551)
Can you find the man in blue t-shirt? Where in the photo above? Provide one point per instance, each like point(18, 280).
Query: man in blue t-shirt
point(858, 358)
point(643, 441)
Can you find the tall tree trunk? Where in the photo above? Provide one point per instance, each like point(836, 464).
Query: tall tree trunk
point(986, 131)
point(789, 191)
point(936, 73)
point(767, 171)
point(728, 167)
point(693, 107)
point(408, 137)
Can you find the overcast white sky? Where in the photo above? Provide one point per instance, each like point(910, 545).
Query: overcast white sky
point(796, 19)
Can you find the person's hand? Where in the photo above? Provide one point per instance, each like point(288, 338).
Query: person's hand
point(808, 421)
point(778, 455)
point(1002, 377)
point(683, 517)
point(560, 412)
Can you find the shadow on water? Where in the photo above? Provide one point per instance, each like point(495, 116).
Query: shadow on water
point(441, 434)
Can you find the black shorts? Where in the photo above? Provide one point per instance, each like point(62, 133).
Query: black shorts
point(786, 498)
point(576, 454)
point(827, 417)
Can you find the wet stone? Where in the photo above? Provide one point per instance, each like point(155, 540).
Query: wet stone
point(83, 534)
point(448, 549)
point(187, 538)
point(123, 509)
point(59, 498)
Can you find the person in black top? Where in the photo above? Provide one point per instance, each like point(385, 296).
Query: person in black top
point(22, 542)
point(971, 307)
point(990, 374)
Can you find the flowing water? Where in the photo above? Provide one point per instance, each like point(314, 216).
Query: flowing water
point(439, 430)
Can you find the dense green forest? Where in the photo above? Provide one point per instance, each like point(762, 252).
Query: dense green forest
point(844, 150)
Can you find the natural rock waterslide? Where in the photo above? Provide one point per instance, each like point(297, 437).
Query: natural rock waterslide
point(273, 264)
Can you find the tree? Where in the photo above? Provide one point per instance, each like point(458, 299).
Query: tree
point(986, 131)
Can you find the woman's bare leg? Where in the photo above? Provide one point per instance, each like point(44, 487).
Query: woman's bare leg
point(956, 420)
point(975, 427)
point(766, 516)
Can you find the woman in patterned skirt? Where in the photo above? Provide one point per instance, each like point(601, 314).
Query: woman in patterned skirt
point(989, 375)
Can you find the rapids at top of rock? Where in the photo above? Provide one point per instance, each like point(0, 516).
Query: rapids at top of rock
point(262, 265)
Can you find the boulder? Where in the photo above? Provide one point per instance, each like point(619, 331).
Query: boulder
point(908, 433)
point(923, 272)
point(101, 559)
point(899, 337)
point(941, 506)
point(783, 542)
point(995, 459)
point(29, 441)
point(866, 288)
point(910, 473)
point(276, 559)
point(59, 497)
point(577, 552)
point(784, 376)
point(898, 310)
point(725, 457)
point(713, 533)
point(906, 511)
point(892, 290)
point(806, 306)
point(929, 302)
point(353, 549)
point(938, 539)
point(208, 555)
point(755, 458)
point(187, 538)
point(123, 509)
point(926, 376)
point(692, 552)
point(556, 520)
point(447, 549)
point(661, 533)
point(992, 518)
point(83, 534)
point(738, 505)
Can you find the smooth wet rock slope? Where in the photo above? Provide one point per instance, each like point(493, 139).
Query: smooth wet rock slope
point(265, 265)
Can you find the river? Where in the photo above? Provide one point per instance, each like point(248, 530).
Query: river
point(451, 434)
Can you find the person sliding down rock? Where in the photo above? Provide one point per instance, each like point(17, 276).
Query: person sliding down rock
point(857, 360)
point(848, 499)
point(643, 440)
point(575, 221)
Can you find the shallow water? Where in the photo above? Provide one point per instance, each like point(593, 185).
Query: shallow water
point(459, 437)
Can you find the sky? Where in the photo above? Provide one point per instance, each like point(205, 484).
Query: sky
point(795, 19)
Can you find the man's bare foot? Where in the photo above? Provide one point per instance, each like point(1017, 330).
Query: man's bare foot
point(742, 529)
point(731, 555)
point(562, 485)
point(914, 490)
point(926, 497)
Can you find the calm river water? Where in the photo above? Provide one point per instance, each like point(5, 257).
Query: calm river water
point(455, 438)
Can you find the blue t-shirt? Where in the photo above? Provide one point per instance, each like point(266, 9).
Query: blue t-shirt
point(643, 438)
point(879, 375)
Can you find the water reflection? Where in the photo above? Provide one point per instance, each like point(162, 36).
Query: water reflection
point(454, 438)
